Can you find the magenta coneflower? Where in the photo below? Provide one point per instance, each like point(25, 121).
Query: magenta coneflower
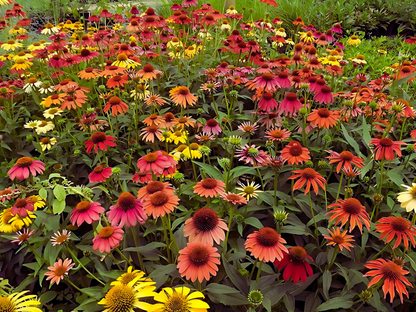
point(290, 104)
point(267, 102)
point(86, 211)
point(100, 174)
point(283, 80)
point(127, 211)
point(107, 238)
point(99, 140)
point(212, 126)
point(324, 96)
point(22, 206)
point(267, 81)
point(24, 167)
point(252, 155)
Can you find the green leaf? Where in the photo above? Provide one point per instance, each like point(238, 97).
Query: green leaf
point(238, 280)
point(326, 283)
point(221, 289)
point(58, 206)
point(47, 297)
point(366, 133)
point(239, 171)
point(351, 141)
point(43, 193)
point(59, 192)
point(253, 222)
point(210, 170)
point(335, 303)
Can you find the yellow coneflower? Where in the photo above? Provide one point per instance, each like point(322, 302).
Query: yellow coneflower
point(177, 137)
point(354, 40)
point(31, 124)
point(307, 36)
point(11, 45)
point(174, 43)
point(231, 10)
point(191, 51)
point(192, 151)
point(17, 30)
point(359, 59)
point(21, 64)
point(24, 55)
point(18, 302)
point(78, 26)
point(17, 222)
point(251, 190)
point(5, 224)
point(36, 46)
point(132, 275)
point(44, 126)
point(331, 60)
point(52, 112)
point(47, 143)
point(179, 299)
point(49, 29)
point(140, 92)
point(382, 51)
point(37, 201)
point(68, 25)
point(124, 61)
point(281, 32)
point(6, 57)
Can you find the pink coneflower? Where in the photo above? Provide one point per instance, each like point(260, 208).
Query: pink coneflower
point(127, 211)
point(107, 238)
point(153, 187)
point(100, 174)
point(7, 194)
point(198, 261)
point(235, 199)
point(205, 227)
point(209, 188)
point(337, 28)
point(59, 270)
point(212, 126)
point(151, 132)
point(99, 140)
point(154, 162)
point(267, 102)
point(86, 211)
point(22, 236)
point(189, 3)
point(385, 148)
point(290, 104)
point(24, 167)
point(59, 237)
point(204, 137)
point(22, 206)
point(142, 177)
point(267, 81)
point(266, 245)
point(252, 155)
point(324, 96)
point(283, 80)
point(248, 127)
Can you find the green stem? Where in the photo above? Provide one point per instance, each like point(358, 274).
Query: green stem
point(136, 243)
point(259, 272)
point(230, 214)
point(340, 184)
point(122, 255)
point(252, 269)
point(334, 255)
point(76, 287)
point(86, 270)
point(313, 214)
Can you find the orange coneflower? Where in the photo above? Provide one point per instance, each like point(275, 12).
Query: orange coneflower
point(182, 96)
point(324, 118)
point(117, 81)
point(344, 160)
point(349, 210)
point(336, 238)
point(89, 73)
point(134, 26)
point(59, 270)
point(266, 245)
point(154, 100)
point(117, 106)
point(153, 120)
point(71, 101)
point(55, 99)
point(149, 72)
point(160, 203)
point(310, 177)
point(149, 133)
point(184, 121)
point(295, 153)
point(277, 134)
point(397, 227)
point(209, 187)
point(392, 274)
point(153, 187)
point(112, 70)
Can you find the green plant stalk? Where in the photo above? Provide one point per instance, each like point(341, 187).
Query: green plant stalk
point(76, 287)
point(252, 269)
point(339, 186)
point(313, 214)
point(334, 255)
point(80, 263)
point(259, 272)
point(230, 215)
point(136, 243)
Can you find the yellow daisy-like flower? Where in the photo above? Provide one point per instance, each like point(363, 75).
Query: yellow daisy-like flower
point(174, 43)
point(49, 29)
point(331, 60)
point(124, 61)
point(176, 54)
point(6, 57)
point(307, 36)
point(52, 112)
point(31, 124)
point(359, 59)
point(177, 153)
point(36, 46)
point(78, 26)
point(191, 51)
point(17, 30)
point(407, 198)
point(5, 216)
point(18, 302)
point(47, 143)
point(382, 51)
point(354, 40)
point(133, 275)
point(44, 126)
point(140, 92)
point(231, 10)
point(251, 190)
point(192, 151)
point(38, 202)
point(118, 26)
point(21, 64)
point(68, 25)
point(127, 298)
point(179, 299)
point(177, 137)
point(11, 45)
point(17, 222)
point(24, 55)
point(290, 41)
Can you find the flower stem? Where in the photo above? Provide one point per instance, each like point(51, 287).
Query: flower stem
point(334, 255)
point(230, 215)
point(86, 270)
point(313, 214)
point(76, 287)
point(259, 272)
point(252, 269)
point(340, 184)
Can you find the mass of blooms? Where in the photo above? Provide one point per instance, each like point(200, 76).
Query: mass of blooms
point(203, 161)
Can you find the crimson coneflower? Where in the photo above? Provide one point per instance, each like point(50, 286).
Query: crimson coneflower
point(392, 276)
point(182, 96)
point(100, 174)
point(266, 81)
point(24, 167)
point(295, 153)
point(399, 228)
point(310, 177)
point(252, 155)
point(385, 148)
point(99, 140)
point(266, 245)
point(108, 237)
point(198, 261)
point(290, 104)
point(324, 96)
point(209, 187)
point(324, 118)
point(267, 102)
point(205, 227)
point(344, 160)
point(160, 203)
point(127, 211)
point(295, 264)
point(350, 210)
point(336, 238)
point(86, 211)
point(22, 206)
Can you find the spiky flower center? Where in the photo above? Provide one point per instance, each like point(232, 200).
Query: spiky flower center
point(352, 206)
point(205, 219)
point(297, 254)
point(83, 206)
point(106, 232)
point(324, 112)
point(159, 199)
point(400, 224)
point(120, 298)
point(385, 142)
point(267, 237)
point(126, 201)
point(98, 137)
point(24, 162)
point(150, 158)
point(209, 183)
point(199, 255)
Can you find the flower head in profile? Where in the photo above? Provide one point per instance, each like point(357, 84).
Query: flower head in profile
point(392, 276)
point(59, 270)
point(295, 264)
point(116, 105)
point(205, 227)
point(235, 199)
point(99, 140)
point(396, 227)
point(349, 210)
point(310, 177)
point(212, 126)
point(86, 211)
point(107, 238)
point(336, 238)
point(182, 96)
point(407, 198)
point(295, 153)
point(100, 174)
point(266, 245)
point(252, 155)
point(24, 167)
point(385, 148)
point(179, 299)
point(127, 211)
point(209, 187)
point(20, 302)
point(345, 160)
point(198, 261)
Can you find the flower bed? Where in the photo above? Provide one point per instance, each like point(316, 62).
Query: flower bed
point(200, 161)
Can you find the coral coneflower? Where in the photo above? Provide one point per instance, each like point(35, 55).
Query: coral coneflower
point(160, 203)
point(399, 228)
point(99, 140)
point(392, 276)
point(295, 153)
point(127, 211)
point(151, 132)
point(22, 206)
point(266, 245)
point(153, 187)
point(235, 199)
point(149, 72)
point(24, 167)
point(141, 176)
point(100, 174)
point(336, 238)
point(7, 194)
point(198, 261)
point(295, 264)
point(385, 148)
point(155, 162)
point(182, 96)
point(290, 104)
point(277, 134)
point(117, 81)
point(345, 160)
point(86, 211)
point(349, 210)
point(117, 106)
point(205, 227)
point(107, 238)
point(59, 270)
point(310, 177)
point(209, 187)
point(324, 118)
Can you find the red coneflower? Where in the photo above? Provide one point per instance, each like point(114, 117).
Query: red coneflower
point(22, 206)
point(205, 227)
point(267, 102)
point(160, 203)
point(127, 211)
point(208, 20)
point(310, 177)
point(24, 167)
point(198, 261)
point(86, 211)
point(295, 153)
point(99, 174)
point(392, 274)
point(336, 238)
point(324, 118)
point(266, 245)
point(296, 265)
point(298, 21)
point(182, 96)
point(252, 155)
point(209, 187)
point(141, 176)
point(290, 104)
point(154, 162)
point(324, 96)
point(344, 160)
point(117, 106)
point(385, 148)
point(117, 81)
point(108, 237)
point(270, 2)
point(399, 228)
point(99, 140)
point(349, 210)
